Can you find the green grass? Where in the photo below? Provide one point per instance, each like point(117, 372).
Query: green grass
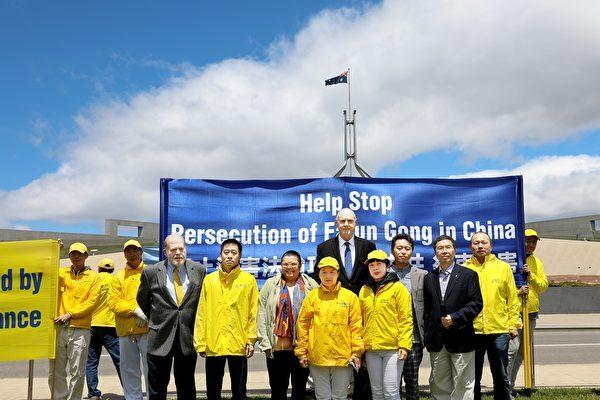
point(574, 283)
point(540, 394)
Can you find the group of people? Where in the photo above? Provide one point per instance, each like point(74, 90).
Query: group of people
point(357, 325)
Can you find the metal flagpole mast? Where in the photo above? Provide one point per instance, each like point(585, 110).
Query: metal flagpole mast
point(349, 104)
point(350, 154)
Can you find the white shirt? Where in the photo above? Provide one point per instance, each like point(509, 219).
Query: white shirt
point(182, 272)
point(291, 292)
point(342, 246)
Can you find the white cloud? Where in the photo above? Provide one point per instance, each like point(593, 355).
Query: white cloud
point(22, 227)
point(556, 186)
point(471, 75)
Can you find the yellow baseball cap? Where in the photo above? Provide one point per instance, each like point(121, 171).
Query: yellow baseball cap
point(106, 263)
point(132, 243)
point(79, 247)
point(329, 262)
point(377, 255)
point(531, 233)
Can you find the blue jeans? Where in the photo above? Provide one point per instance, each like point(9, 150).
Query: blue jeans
point(496, 346)
point(100, 336)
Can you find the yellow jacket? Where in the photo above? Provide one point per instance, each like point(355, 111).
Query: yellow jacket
point(329, 327)
point(103, 315)
point(501, 307)
point(78, 295)
point(121, 299)
point(226, 316)
point(537, 281)
point(387, 317)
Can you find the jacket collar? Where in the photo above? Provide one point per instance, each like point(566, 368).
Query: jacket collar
point(234, 273)
point(85, 271)
point(390, 277)
point(488, 258)
point(336, 288)
point(139, 267)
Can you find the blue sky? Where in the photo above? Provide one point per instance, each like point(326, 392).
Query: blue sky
point(80, 79)
point(62, 56)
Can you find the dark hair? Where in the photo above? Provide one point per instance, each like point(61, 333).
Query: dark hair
point(404, 236)
point(485, 233)
point(443, 237)
point(100, 269)
point(293, 253)
point(232, 241)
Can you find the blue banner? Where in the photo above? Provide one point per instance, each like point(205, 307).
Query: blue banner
point(272, 216)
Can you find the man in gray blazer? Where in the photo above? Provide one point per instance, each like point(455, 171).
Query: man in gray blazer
point(414, 280)
point(168, 295)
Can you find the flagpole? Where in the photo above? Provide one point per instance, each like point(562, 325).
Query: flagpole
point(349, 152)
point(350, 120)
point(349, 104)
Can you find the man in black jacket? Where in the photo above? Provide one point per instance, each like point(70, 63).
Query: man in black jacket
point(452, 300)
point(351, 253)
point(168, 295)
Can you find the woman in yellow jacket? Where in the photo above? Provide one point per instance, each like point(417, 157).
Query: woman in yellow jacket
point(387, 317)
point(329, 333)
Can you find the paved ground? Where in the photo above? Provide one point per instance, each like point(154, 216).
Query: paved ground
point(564, 357)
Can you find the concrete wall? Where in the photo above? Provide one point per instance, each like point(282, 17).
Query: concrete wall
point(569, 257)
point(571, 300)
point(89, 239)
point(568, 228)
point(146, 230)
point(92, 261)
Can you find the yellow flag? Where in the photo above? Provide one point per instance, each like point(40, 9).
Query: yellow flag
point(28, 293)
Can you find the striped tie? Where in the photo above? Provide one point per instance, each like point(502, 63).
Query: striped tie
point(178, 285)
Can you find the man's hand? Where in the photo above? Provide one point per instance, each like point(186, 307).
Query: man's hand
point(249, 350)
point(402, 354)
point(63, 319)
point(140, 317)
point(269, 353)
point(513, 333)
point(140, 314)
point(523, 290)
point(304, 362)
point(356, 362)
point(447, 321)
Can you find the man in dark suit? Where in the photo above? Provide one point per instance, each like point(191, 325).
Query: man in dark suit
point(452, 301)
point(168, 295)
point(351, 252)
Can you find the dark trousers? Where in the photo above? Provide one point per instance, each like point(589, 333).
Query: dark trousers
point(410, 372)
point(280, 367)
point(238, 371)
point(496, 346)
point(362, 385)
point(159, 372)
point(100, 336)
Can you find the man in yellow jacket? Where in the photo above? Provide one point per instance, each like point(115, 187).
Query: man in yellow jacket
point(78, 295)
point(103, 332)
point(225, 328)
point(131, 323)
point(537, 283)
point(499, 320)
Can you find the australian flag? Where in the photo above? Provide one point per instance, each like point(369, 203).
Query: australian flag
point(341, 78)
